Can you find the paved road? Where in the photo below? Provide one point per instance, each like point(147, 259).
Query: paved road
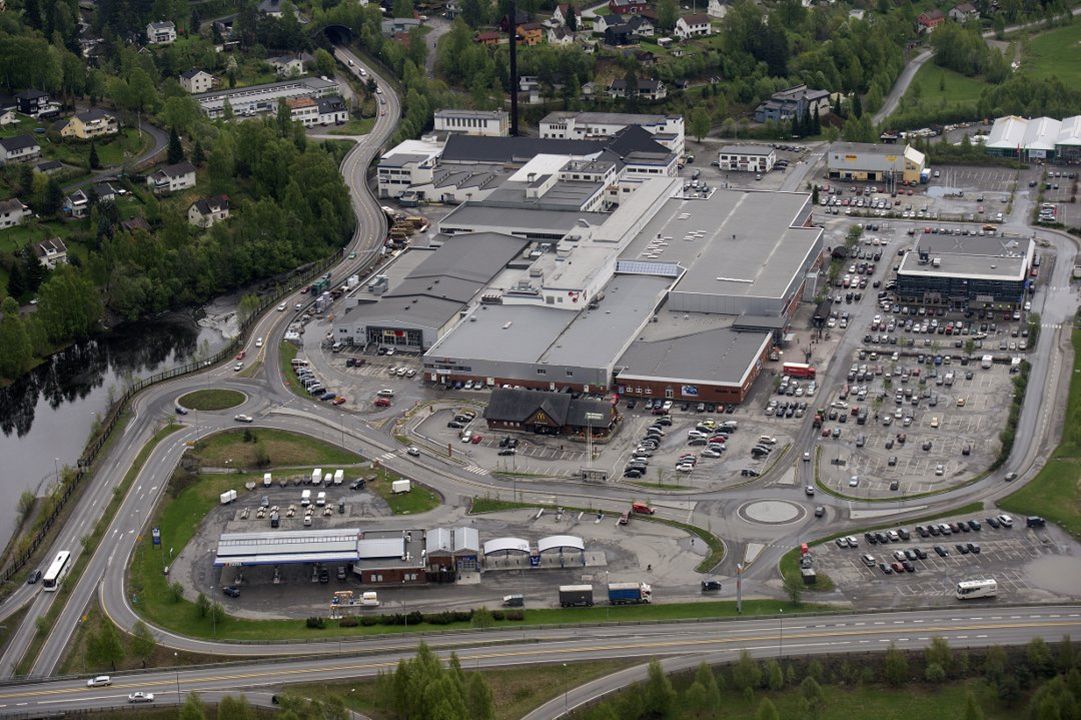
point(159, 140)
point(966, 626)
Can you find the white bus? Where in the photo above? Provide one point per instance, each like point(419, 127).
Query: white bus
point(56, 572)
point(971, 589)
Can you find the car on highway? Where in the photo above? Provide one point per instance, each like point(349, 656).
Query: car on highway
point(99, 681)
point(238, 367)
point(258, 342)
point(33, 577)
point(281, 307)
point(141, 697)
point(240, 355)
point(413, 450)
point(243, 418)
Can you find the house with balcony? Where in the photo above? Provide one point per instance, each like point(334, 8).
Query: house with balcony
point(51, 252)
point(12, 213)
point(648, 89)
point(161, 33)
point(689, 26)
point(172, 178)
point(90, 124)
point(19, 148)
point(205, 212)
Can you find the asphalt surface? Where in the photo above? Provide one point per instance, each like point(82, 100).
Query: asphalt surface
point(690, 642)
point(270, 402)
point(159, 139)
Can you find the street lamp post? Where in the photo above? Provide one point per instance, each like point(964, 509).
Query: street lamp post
point(780, 634)
point(176, 666)
point(566, 690)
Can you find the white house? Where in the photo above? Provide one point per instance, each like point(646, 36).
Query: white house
point(648, 89)
point(332, 110)
point(561, 11)
point(287, 65)
point(12, 213)
point(688, 26)
point(204, 212)
point(8, 118)
point(747, 158)
point(601, 23)
point(172, 178)
point(51, 252)
point(560, 37)
point(963, 12)
point(161, 33)
point(717, 9)
point(409, 163)
point(20, 148)
point(668, 130)
point(487, 123)
point(197, 81)
point(77, 205)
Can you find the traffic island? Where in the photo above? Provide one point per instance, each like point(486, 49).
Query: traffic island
point(211, 399)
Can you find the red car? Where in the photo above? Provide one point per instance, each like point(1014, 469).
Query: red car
point(240, 355)
point(340, 400)
point(476, 439)
point(382, 402)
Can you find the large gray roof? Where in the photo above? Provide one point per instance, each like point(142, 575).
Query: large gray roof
point(473, 256)
point(475, 216)
point(470, 148)
point(717, 357)
point(992, 258)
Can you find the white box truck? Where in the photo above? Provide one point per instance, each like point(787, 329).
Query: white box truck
point(321, 499)
point(369, 599)
point(339, 475)
point(317, 476)
point(228, 496)
point(328, 478)
point(267, 480)
point(306, 498)
point(400, 486)
point(985, 363)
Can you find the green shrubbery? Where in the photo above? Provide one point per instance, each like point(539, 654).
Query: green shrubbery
point(446, 617)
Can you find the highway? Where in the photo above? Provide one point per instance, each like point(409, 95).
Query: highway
point(273, 405)
point(694, 641)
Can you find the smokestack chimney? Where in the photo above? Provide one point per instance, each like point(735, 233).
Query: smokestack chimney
point(512, 27)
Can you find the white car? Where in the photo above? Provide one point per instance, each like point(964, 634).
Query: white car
point(238, 367)
point(281, 307)
point(259, 342)
point(141, 697)
point(244, 418)
point(414, 451)
point(99, 681)
point(807, 456)
point(297, 306)
point(854, 481)
point(467, 436)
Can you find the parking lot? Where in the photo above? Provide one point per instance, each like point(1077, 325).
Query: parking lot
point(1027, 563)
point(1061, 190)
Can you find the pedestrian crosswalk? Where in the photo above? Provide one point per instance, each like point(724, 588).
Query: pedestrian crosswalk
point(476, 470)
point(388, 456)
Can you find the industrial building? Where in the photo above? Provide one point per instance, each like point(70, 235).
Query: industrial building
point(668, 130)
point(746, 158)
point(867, 162)
point(1041, 138)
point(966, 271)
point(259, 99)
point(487, 123)
point(453, 550)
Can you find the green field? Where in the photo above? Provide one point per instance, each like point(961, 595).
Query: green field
point(418, 500)
point(209, 400)
point(355, 127)
point(120, 148)
point(936, 88)
point(1055, 493)
point(283, 448)
point(1056, 53)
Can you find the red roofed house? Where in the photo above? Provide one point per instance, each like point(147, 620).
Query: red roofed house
point(928, 21)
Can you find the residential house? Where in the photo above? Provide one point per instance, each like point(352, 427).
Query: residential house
point(7, 117)
point(717, 9)
point(628, 30)
point(927, 21)
point(964, 12)
point(332, 110)
point(648, 89)
point(560, 36)
point(161, 33)
point(303, 110)
point(20, 148)
point(792, 102)
point(531, 86)
point(520, 16)
point(394, 26)
point(196, 81)
point(172, 178)
point(696, 25)
point(106, 192)
point(489, 38)
point(77, 205)
point(90, 124)
point(271, 8)
point(856, 14)
point(287, 65)
point(561, 12)
point(601, 22)
point(36, 103)
point(530, 33)
point(627, 7)
point(12, 213)
point(204, 212)
point(51, 252)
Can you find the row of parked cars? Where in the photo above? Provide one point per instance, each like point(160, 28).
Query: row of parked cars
point(638, 463)
point(314, 387)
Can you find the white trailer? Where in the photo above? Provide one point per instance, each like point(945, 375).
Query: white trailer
point(328, 478)
point(339, 476)
point(306, 498)
point(317, 476)
point(228, 496)
point(268, 480)
point(401, 486)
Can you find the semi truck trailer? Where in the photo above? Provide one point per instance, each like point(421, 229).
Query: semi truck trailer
point(576, 595)
point(629, 593)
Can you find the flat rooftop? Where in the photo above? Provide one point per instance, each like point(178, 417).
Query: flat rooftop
point(287, 547)
point(478, 217)
point(968, 256)
point(550, 336)
point(606, 118)
point(717, 357)
point(745, 150)
point(739, 243)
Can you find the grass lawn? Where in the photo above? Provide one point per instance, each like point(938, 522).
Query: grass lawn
point(14, 238)
point(419, 499)
point(940, 88)
point(515, 690)
point(211, 399)
point(1056, 53)
point(119, 148)
point(1056, 492)
point(22, 124)
point(286, 352)
point(355, 127)
point(284, 449)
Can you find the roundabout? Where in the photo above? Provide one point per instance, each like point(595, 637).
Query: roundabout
point(211, 399)
point(771, 512)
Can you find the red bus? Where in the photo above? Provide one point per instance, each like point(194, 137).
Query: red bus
point(798, 370)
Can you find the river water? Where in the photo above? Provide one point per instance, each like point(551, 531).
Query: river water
point(47, 415)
